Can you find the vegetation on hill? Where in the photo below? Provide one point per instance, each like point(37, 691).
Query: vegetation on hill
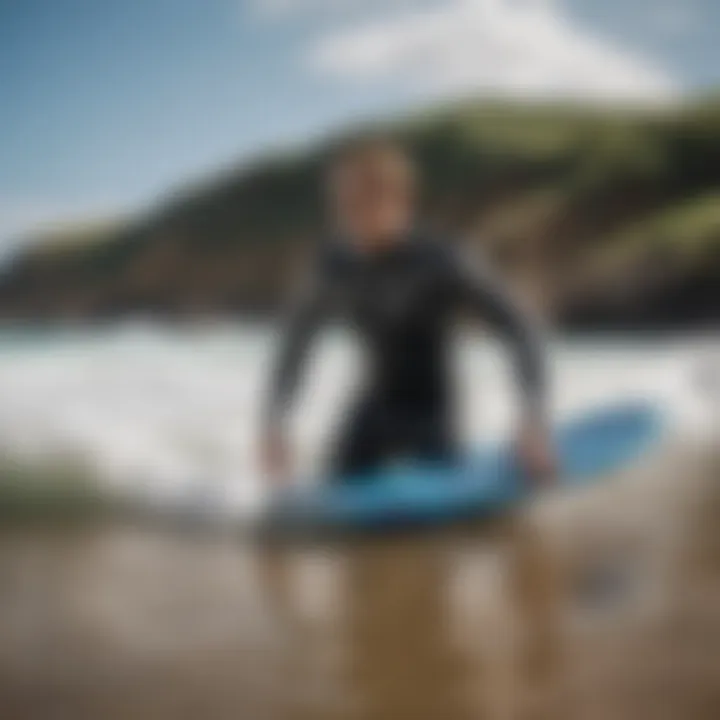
point(607, 218)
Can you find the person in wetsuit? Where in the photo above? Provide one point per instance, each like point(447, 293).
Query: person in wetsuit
point(400, 289)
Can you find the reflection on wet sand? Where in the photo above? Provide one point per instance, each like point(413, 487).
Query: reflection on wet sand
point(602, 611)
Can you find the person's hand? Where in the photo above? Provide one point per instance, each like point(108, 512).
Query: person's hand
point(536, 454)
point(275, 460)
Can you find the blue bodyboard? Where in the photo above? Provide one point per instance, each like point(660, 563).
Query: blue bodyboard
point(485, 482)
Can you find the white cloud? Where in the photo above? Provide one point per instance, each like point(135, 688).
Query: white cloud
point(525, 48)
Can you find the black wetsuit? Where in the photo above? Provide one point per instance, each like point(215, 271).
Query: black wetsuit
point(401, 302)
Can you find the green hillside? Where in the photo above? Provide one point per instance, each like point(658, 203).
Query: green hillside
point(606, 217)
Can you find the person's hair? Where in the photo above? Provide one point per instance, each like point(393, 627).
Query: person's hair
point(362, 145)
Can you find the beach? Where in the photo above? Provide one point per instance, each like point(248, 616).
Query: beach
point(600, 603)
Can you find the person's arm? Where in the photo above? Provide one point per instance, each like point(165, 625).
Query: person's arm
point(304, 318)
point(488, 298)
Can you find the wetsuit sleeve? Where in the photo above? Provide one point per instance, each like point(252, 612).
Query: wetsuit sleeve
point(305, 316)
point(487, 297)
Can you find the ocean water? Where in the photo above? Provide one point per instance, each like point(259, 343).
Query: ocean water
point(170, 415)
point(617, 590)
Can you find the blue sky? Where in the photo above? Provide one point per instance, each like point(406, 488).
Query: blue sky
point(104, 106)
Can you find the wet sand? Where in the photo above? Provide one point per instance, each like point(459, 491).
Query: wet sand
point(603, 604)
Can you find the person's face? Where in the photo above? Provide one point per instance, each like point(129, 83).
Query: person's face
point(373, 198)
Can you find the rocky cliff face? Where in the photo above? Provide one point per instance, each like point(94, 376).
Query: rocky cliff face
point(606, 220)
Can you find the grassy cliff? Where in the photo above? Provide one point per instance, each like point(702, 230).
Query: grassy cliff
point(607, 218)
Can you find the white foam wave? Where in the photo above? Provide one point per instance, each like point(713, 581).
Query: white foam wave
point(172, 414)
